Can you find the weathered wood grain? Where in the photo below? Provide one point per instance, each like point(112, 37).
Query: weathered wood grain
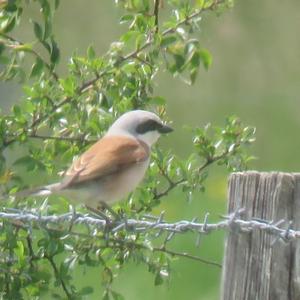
point(255, 267)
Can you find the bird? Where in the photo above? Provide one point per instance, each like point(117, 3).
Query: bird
point(112, 167)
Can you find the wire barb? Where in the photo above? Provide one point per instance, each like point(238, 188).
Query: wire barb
point(156, 225)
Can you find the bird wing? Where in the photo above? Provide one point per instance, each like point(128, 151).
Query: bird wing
point(109, 155)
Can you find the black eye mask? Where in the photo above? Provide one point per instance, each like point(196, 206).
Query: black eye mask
point(152, 125)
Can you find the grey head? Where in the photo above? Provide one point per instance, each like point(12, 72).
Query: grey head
point(141, 124)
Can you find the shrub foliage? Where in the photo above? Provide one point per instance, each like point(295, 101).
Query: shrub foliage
point(60, 115)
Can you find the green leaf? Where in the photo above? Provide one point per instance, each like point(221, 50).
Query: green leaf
point(130, 36)
point(38, 31)
point(158, 100)
point(199, 3)
point(105, 295)
point(4, 60)
point(68, 85)
point(168, 40)
point(179, 62)
point(86, 291)
point(19, 252)
point(52, 247)
point(117, 296)
point(55, 53)
point(9, 25)
point(140, 39)
point(195, 59)
point(126, 18)
point(45, 8)
point(48, 29)
point(2, 47)
point(37, 68)
point(193, 75)
point(27, 161)
point(17, 111)
point(10, 6)
point(206, 58)
point(56, 4)
point(91, 53)
point(47, 46)
point(158, 279)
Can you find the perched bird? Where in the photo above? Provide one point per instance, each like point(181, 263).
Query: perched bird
point(113, 166)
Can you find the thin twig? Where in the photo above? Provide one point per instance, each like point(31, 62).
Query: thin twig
point(189, 256)
point(32, 51)
point(88, 84)
point(32, 256)
point(60, 138)
point(58, 277)
point(173, 184)
point(173, 29)
point(170, 187)
point(231, 221)
point(115, 242)
point(119, 243)
point(155, 13)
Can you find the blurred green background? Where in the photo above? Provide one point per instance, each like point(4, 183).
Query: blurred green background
point(255, 75)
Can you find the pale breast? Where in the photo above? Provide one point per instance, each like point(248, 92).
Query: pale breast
point(118, 186)
point(109, 189)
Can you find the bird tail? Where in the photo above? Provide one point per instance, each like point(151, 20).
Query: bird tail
point(38, 191)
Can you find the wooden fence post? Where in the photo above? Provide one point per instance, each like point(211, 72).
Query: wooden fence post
point(256, 266)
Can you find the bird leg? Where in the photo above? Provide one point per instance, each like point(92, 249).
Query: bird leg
point(73, 217)
point(99, 212)
point(104, 205)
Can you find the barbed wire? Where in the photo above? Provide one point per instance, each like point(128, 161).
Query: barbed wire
point(231, 222)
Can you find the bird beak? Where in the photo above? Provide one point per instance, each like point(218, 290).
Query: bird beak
point(165, 129)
